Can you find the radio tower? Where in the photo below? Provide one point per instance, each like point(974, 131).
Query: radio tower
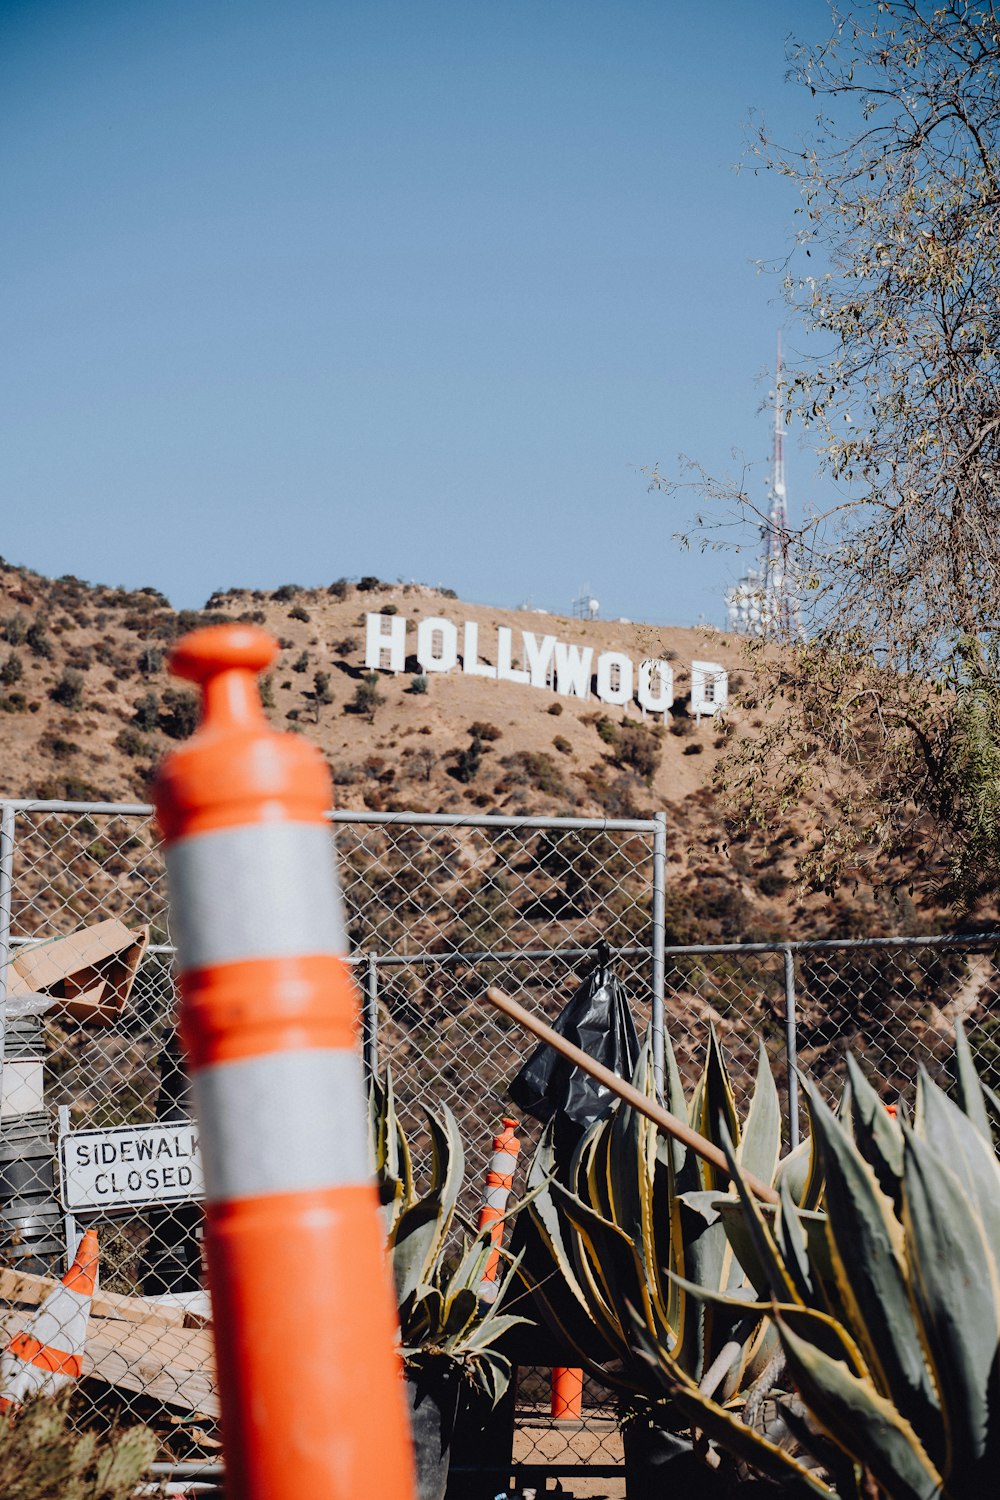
point(764, 602)
point(781, 602)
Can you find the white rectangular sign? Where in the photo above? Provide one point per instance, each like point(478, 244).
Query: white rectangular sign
point(129, 1166)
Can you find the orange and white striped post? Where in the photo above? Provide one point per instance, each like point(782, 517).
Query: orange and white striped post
point(499, 1181)
point(311, 1395)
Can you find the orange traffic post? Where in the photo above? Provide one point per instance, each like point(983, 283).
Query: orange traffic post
point(499, 1182)
point(567, 1393)
point(305, 1330)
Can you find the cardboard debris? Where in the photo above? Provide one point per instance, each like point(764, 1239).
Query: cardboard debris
point(88, 974)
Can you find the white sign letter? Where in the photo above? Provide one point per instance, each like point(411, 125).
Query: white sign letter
point(606, 664)
point(709, 688)
point(426, 631)
point(660, 701)
point(377, 640)
point(470, 653)
point(538, 655)
point(505, 671)
point(573, 670)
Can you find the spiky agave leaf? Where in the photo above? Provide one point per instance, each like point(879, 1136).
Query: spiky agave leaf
point(861, 1420)
point(870, 1265)
point(700, 1411)
point(956, 1295)
point(969, 1091)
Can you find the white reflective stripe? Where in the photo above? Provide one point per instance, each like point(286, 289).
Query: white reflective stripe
point(61, 1321)
point(264, 890)
point(496, 1197)
point(283, 1123)
point(504, 1163)
point(19, 1379)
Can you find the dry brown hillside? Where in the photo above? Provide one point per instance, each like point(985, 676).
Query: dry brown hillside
point(89, 709)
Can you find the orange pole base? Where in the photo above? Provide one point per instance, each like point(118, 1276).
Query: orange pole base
point(567, 1394)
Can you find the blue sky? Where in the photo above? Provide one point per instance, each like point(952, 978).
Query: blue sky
point(306, 290)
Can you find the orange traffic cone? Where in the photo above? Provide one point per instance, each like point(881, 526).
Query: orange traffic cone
point(49, 1353)
point(499, 1181)
point(305, 1329)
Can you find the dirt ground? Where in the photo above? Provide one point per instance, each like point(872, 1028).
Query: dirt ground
point(557, 1445)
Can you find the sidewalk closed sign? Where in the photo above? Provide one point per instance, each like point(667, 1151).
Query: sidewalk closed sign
point(129, 1166)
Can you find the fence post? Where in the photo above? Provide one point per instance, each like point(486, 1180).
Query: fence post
point(659, 942)
point(369, 1020)
point(791, 1050)
point(6, 903)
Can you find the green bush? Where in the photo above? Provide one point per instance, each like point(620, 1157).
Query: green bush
point(418, 684)
point(638, 748)
point(147, 712)
point(57, 746)
point(15, 629)
point(37, 641)
point(367, 698)
point(180, 713)
point(12, 670)
point(469, 760)
point(538, 770)
point(301, 662)
point(298, 613)
point(150, 660)
point(68, 691)
point(130, 742)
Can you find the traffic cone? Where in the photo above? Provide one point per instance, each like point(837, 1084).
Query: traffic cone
point(499, 1181)
point(305, 1331)
point(49, 1353)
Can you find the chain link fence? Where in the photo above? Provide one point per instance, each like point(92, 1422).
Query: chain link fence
point(438, 908)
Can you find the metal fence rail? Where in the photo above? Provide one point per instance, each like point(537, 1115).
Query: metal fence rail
point(439, 906)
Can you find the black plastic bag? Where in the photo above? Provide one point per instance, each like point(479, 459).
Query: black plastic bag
point(597, 1019)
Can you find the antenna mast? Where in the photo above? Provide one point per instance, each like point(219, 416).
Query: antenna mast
point(764, 602)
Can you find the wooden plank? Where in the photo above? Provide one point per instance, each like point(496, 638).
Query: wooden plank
point(29, 1289)
point(661, 1118)
point(173, 1365)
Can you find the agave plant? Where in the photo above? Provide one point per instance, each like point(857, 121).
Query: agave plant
point(437, 1280)
point(631, 1226)
point(887, 1305)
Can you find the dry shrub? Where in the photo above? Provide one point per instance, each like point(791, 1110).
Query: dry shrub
point(43, 1458)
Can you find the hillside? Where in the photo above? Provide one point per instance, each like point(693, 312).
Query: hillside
point(89, 709)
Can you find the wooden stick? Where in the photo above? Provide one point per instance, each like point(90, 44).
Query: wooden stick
point(661, 1118)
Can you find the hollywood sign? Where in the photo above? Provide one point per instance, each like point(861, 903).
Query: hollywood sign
point(544, 662)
